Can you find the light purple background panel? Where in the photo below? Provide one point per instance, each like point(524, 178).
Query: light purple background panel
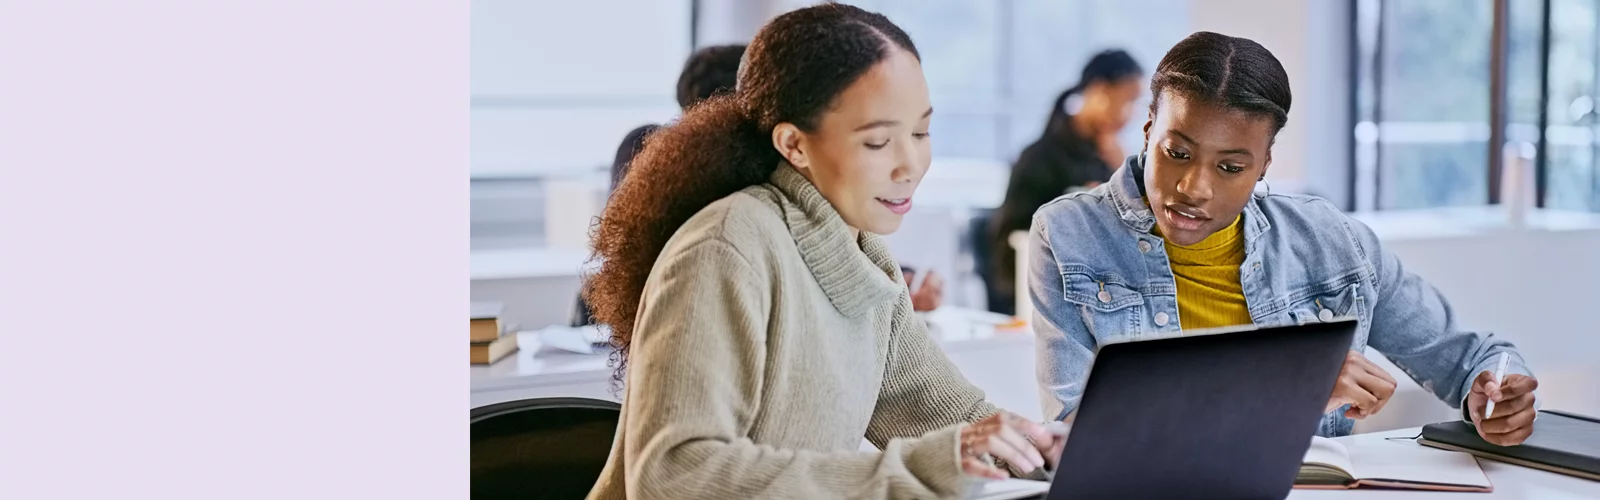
point(233, 245)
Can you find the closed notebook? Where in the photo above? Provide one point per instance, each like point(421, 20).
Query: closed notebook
point(489, 352)
point(1371, 461)
point(1565, 443)
point(486, 324)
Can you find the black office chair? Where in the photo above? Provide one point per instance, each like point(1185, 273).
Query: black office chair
point(978, 238)
point(541, 448)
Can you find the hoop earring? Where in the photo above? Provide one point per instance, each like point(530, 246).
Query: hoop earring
point(1263, 182)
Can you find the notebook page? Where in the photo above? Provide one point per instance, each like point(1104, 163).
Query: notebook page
point(1328, 452)
point(1378, 458)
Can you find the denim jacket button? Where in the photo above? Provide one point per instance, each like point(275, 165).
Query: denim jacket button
point(1325, 315)
point(1162, 319)
point(1104, 296)
point(1144, 246)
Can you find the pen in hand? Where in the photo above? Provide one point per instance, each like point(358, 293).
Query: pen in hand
point(1499, 375)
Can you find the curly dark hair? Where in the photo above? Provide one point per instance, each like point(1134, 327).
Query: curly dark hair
point(793, 70)
point(711, 70)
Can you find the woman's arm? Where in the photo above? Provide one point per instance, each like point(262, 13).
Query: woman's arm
point(695, 378)
point(1064, 344)
point(922, 390)
point(1415, 327)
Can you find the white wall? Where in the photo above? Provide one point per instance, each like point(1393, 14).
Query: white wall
point(556, 85)
point(1536, 288)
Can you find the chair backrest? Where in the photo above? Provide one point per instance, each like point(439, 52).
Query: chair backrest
point(541, 448)
point(982, 244)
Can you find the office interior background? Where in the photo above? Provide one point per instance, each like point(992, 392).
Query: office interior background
point(1463, 131)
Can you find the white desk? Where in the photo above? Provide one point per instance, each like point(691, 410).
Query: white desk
point(999, 362)
point(528, 263)
point(1509, 481)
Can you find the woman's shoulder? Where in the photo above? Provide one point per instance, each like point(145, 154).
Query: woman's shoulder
point(741, 222)
point(1316, 222)
point(1090, 207)
point(1302, 211)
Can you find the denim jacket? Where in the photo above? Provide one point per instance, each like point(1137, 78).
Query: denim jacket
point(1305, 261)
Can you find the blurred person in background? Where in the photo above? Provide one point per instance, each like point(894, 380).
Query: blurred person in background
point(1078, 149)
point(762, 328)
point(709, 71)
point(1181, 239)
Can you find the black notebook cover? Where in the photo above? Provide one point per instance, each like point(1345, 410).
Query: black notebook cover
point(1561, 442)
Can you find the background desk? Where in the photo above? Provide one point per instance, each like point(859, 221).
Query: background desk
point(1509, 481)
point(1001, 363)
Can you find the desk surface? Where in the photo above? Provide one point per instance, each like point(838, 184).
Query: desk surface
point(1510, 481)
point(956, 329)
point(515, 263)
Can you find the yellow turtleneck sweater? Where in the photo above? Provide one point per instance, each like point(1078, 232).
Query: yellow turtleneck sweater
point(1207, 275)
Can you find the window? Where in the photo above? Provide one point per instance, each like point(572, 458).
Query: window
point(1425, 111)
point(1570, 149)
point(1423, 100)
point(555, 87)
point(995, 67)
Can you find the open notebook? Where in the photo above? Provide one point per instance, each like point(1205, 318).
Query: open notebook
point(1372, 461)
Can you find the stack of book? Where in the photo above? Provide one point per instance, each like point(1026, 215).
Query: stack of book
point(492, 338)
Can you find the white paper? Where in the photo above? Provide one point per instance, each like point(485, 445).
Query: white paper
point(1329, 452)
point(1006, 489)
point(566, 338)
point(1378, 458)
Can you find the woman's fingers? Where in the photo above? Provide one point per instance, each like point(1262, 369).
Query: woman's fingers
point(1509, 415)
point(1008, 445)
point(1380, 386)
point(977, 467)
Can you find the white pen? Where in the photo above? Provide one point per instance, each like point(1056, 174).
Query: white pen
point(1499, 374)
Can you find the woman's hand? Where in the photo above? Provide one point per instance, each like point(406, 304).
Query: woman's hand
point(1007, 437)
point(1513, 407)
point(1362, 385)
point(929, 295)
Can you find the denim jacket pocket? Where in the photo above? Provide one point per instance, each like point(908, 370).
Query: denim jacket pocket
point(1111, 308)
point(1341, 299)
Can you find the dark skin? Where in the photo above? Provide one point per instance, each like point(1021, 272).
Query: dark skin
point(1202, 161)
point(1513, 407)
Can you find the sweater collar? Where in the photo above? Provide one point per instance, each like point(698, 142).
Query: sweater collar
point(854, 280)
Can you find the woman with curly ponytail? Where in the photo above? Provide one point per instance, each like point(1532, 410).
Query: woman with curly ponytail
point(762, 328)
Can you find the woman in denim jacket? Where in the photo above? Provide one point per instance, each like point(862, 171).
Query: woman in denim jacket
point(1180, 240)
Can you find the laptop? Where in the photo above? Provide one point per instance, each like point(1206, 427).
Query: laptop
point(1223, 413)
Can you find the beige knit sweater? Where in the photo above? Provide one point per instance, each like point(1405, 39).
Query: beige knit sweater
point(768, 344)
